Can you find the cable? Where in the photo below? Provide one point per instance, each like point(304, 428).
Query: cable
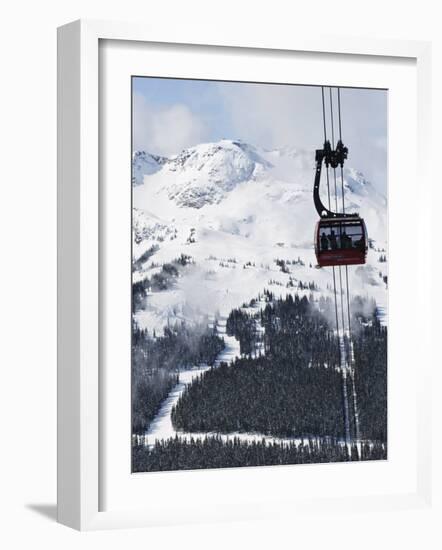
point(340, 138)
point(342, 300)
point(339, 111)
point(323, 113)
point(350, 339)
point(325, 139)
point(341, 349)
point(334, 172)
point(343, 209)
point(348, 301)
point(329, 203)
point(336, 200)
point(333, 146)
point(332, 124)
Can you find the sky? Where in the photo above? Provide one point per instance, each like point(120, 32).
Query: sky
point(171, 114)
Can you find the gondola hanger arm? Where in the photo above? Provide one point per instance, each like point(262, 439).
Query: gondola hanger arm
point(334, 158)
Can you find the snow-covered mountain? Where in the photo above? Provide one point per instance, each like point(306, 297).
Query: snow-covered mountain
point(144, 163)
point(235, 209)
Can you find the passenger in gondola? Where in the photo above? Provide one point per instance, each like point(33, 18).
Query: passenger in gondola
point(359, 244)
point(324, 241)
point(346, 240)
point(333, 241)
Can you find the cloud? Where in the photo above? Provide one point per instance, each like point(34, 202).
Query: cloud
point(275, 116)
point(165, 130)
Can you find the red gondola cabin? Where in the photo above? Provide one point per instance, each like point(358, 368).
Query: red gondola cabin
point(341, 241)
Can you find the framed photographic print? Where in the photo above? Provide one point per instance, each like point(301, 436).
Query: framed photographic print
point(232, 289)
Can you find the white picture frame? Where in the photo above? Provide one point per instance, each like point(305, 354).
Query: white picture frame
point(79, 293)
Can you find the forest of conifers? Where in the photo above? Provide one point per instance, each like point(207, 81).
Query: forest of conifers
point(292, 388)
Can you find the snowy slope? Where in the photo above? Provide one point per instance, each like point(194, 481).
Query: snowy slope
point(162, 426)
point(144, 163)
point(235, 209)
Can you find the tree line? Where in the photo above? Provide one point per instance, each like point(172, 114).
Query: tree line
point(370, 350)
point(293, 390)
point(263, 395)
point(213, 452)
point(160, 281)
point(157, 360)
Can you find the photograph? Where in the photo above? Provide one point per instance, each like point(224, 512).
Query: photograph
point(259, 274)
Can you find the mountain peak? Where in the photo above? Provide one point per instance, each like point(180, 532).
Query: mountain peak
point(202, 174)
point(144, 163)
point(208, 173)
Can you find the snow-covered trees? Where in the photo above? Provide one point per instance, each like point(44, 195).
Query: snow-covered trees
point(294, 390)
point(213, 452)
point(370, 349)
point(243, 327)
point(155, 362)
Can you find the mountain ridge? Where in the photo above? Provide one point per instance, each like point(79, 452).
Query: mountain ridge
point(226, 200)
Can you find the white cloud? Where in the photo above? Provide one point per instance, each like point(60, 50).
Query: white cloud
point(279, 115)
point(274, 115)
point(167, 130)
